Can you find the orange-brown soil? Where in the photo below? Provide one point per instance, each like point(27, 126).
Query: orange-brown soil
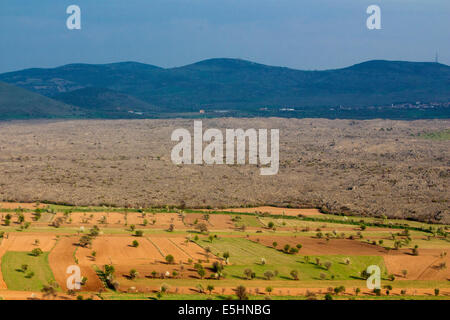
point(63, 256)
point(29, 241)
point(425, 266)
point(19, 205)
point(315, 246)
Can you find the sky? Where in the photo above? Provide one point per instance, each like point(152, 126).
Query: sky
point(307, 35)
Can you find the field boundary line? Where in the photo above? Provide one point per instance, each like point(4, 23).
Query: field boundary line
point(186, 253)
point(157, 248)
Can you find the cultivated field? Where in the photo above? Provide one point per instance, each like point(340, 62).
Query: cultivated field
point(196, 254)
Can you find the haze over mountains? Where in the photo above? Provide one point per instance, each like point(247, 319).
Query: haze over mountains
point(222, 86)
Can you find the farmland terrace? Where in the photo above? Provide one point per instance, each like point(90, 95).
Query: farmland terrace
point(172, 253)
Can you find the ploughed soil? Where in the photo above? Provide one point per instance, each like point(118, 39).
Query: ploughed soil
point(425, 266)
point(315, 246)
point(63, 256)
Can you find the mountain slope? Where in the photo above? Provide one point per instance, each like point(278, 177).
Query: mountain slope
point(241, 86)
point(100, 102)
point(18, 103)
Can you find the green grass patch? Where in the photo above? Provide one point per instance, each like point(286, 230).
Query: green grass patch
point(436, 135)
point(248, 221)
point(16, 279)
point(245, 254)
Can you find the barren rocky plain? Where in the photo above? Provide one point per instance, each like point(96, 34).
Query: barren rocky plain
point(374, 168)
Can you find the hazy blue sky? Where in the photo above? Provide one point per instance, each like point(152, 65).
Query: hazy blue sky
point(311, 34)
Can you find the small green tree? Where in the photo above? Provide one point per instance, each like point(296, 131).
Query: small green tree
point(226, 256)
point(269, 274)
point(170, 259)
point(210, 288)
point(133, 274)
point(138, 233)
point(36, 252)
point(201, 272)
point(248, 273)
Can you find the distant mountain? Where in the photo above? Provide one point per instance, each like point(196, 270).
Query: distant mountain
point(237, 86)
point(18, 103)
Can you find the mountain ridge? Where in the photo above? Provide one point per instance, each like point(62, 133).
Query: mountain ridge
point(238, 86)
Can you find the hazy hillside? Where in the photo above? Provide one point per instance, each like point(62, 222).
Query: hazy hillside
point(100, 102)
point(17, 103)
point(242, 87)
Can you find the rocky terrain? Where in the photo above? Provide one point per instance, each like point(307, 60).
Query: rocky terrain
point(376, 167)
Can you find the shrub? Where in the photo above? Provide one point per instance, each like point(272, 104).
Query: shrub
point(269, 274)
point(85, 241)
point(201, 273)
point(217, 267)
point(170, 259)
point(339, 289)
point(241, 293)
point(36, 252)
point(133, 274)
point(210, 288)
